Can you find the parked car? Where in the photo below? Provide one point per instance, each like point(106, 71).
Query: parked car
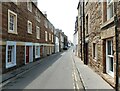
point(65, 48)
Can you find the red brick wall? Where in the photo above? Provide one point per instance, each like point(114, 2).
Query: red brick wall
point(23, 15)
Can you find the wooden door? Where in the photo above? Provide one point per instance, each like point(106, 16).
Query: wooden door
point(27, 54)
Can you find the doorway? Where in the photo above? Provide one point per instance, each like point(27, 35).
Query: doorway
point(28, 54)
point(86, 61)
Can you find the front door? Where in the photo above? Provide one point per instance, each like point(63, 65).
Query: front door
point(27, 54)
point(86, 54)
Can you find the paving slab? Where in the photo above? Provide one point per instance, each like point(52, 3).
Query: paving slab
point(91, 80)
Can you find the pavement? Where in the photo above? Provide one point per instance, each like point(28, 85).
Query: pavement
point(90, 79)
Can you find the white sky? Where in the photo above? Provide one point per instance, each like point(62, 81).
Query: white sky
point(61, 13)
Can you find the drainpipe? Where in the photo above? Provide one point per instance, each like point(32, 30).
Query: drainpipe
point(81, 29)
point(81, 41)
point(84, 35)
point(116, 38)
point(53, 48)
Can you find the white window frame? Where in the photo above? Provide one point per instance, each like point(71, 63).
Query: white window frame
point(13, 63)
point(37, 51)
point(107, 58)
point(37, 32)
point(49, 36)
point(109, 3)
point(52, 29)
point(38, 17)
point(29, 5)
point(14, 31)
point(94, 49)
point(52, 38)
point(45, 23)
point(46, 37)
point(29, 28)
point(86, 1)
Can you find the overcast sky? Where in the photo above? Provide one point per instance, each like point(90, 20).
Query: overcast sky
point(61, 13)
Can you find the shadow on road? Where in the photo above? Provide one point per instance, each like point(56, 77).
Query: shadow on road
point(23, 81)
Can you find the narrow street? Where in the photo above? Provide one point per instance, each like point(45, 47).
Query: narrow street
point(55, 72)
point(46, 46)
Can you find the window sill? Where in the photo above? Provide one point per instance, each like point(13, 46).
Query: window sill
point(38, 38)
point(12, 32)
point(95, 59)
point(107, 22)
point(30, 10)
point(9, 65)
point(29, 33)
point(37, 56)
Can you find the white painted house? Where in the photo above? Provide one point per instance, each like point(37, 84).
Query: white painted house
point(75, 42)
point(62, 40)
point(56, 33)
point(75, 38)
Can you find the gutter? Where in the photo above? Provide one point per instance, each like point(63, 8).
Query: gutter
point(84, 35)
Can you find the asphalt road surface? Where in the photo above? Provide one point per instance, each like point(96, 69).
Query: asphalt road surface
point(55, 72)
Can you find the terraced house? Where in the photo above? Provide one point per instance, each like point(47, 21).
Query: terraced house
point(27, 34)
point(100, 36)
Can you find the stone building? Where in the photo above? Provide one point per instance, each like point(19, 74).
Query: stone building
point(27, 35)
point(61, 40)
point(65, 42)
point(100, 38)
point(80, 30)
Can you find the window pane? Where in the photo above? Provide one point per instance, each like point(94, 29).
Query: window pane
point(11, 26)
point(11, 23)
point(111, 10)
point(31, 28)
point(29, 6)
point(109, 48)
point(38, 32)
point(11, 18)
point(111, 64)
point(10, 53)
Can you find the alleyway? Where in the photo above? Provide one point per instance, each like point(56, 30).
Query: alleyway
point(55, 72)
